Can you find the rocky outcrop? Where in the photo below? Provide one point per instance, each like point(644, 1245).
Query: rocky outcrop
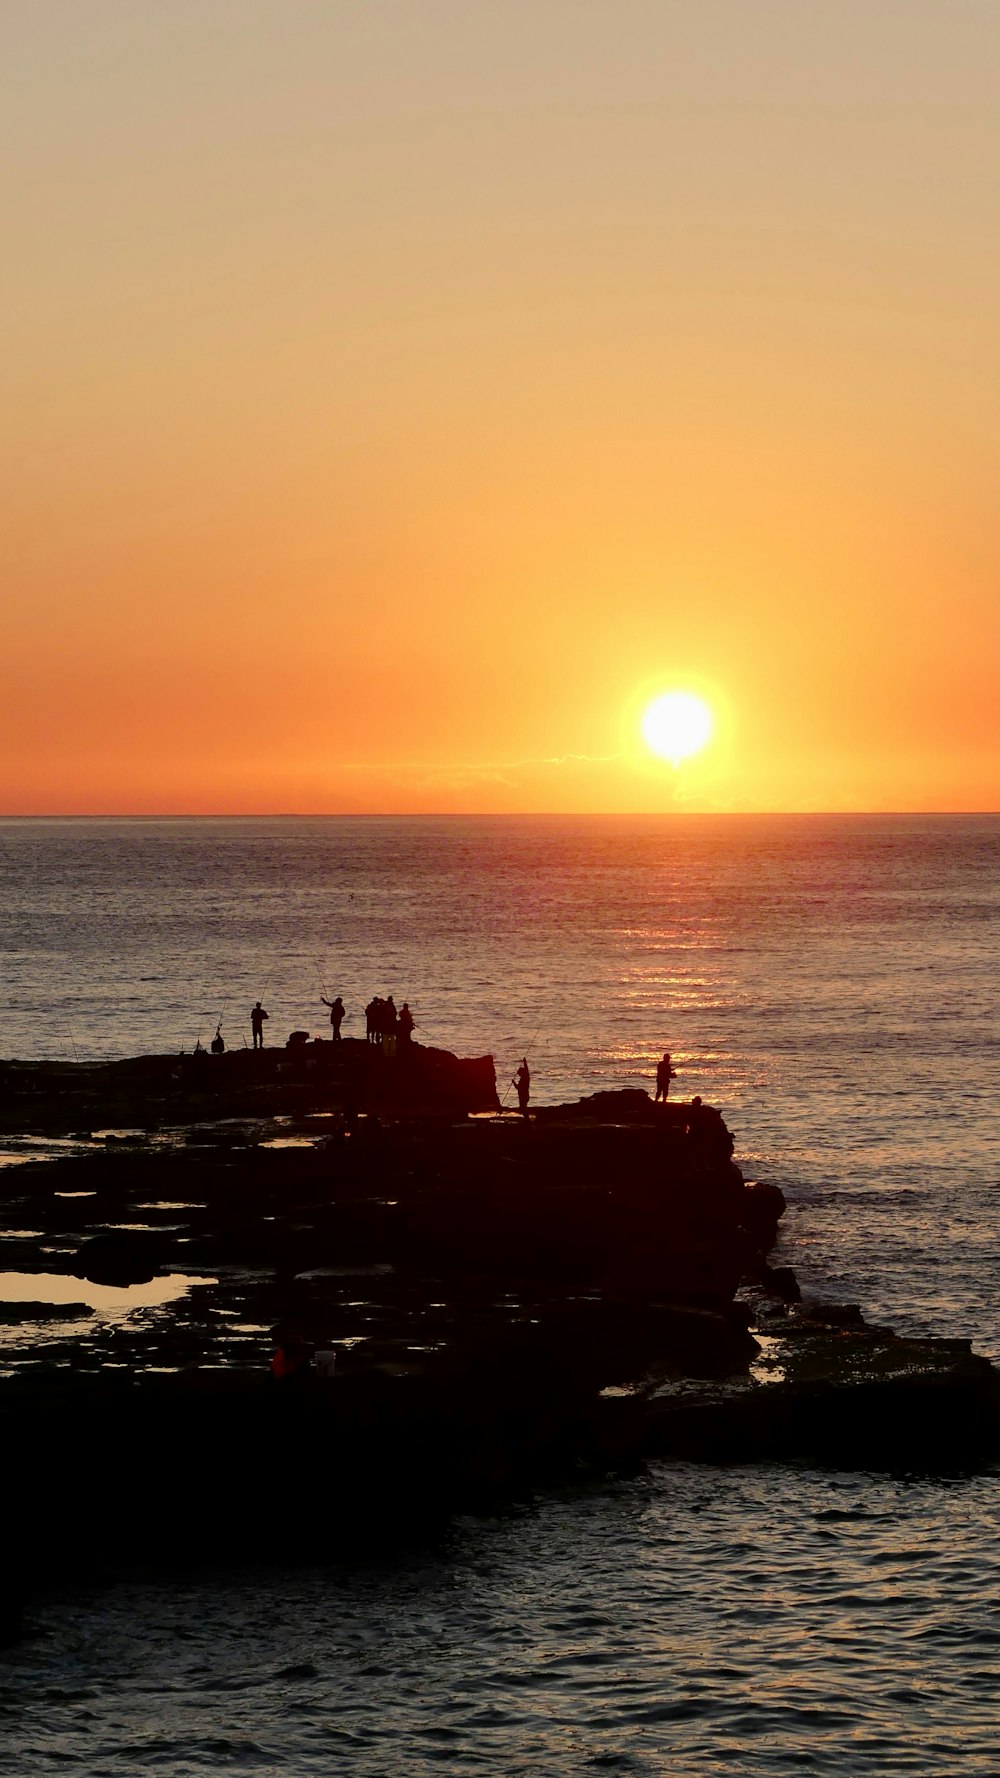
point(149, 1092)
point(845, 1396)
point(510, 1303)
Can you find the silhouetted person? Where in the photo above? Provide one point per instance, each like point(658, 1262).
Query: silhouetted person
point(522, 1081)
point(664, 1075)
point(405, 1023)
point(257, 1017)
point(707, 1132)
point(218, 1042)
point(389, 1017)
point(336, 1015)
point(372, 1031)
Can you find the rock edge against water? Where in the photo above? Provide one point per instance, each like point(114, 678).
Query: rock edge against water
point(511, 1304)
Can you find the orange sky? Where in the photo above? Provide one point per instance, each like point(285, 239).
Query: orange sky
point(395, 394)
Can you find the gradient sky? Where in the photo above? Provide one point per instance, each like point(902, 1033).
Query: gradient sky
point(395, 395)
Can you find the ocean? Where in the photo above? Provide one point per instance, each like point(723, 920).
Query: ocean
point(830, 984)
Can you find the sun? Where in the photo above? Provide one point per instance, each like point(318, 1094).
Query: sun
point(677, 725)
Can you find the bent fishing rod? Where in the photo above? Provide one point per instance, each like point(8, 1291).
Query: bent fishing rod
point(513, 1079)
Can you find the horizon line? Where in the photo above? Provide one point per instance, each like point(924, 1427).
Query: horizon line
point(465, 814)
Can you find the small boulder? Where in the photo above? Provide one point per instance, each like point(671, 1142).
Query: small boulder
point(780, 1281)
point(120, 1259)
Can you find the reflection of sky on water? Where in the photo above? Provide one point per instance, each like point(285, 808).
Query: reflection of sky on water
point(16, 1150)
point(160, 1204)
point(80, 1321)
point(109, 1301)
point(767, 1367)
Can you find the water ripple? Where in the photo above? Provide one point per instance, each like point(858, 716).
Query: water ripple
point(621, 1631)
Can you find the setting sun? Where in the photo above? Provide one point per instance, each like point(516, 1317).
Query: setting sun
point(677, 725)
point(275, 272)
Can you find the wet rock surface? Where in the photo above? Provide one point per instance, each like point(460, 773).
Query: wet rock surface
point(830, 1389)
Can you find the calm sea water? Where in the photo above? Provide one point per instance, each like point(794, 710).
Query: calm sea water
point(830, 983)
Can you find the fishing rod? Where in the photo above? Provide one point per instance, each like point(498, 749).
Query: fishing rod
point(218, 1022)
point(513, 1077)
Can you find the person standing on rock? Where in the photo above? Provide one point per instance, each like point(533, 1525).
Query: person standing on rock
point(405, 1023)
point(707, 1131)
point(522, 1081)
point(665, 1073)
point(218, 1042)
point(257, 1017)
point(336, 1015)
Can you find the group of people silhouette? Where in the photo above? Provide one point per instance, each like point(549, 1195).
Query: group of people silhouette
point(384, 1024)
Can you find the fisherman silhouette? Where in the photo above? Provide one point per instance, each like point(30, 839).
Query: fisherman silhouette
point(371, 1019)
point(218, 1042)
point(707, 1131)
point(257, 1017)
point(336, 1015)
point(664, 1075)
point(522, 1081)
point(406, 1022)
point(385, 1025)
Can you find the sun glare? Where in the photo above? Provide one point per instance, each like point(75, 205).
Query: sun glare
point(676, 725)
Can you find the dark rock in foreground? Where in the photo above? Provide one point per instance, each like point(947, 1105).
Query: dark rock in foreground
point(511, 1304)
